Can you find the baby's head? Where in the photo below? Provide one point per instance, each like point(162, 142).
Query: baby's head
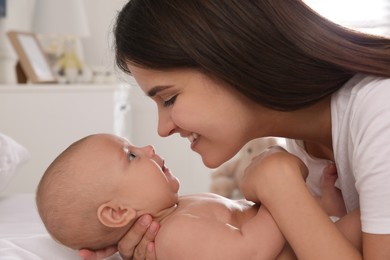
point(94, 191)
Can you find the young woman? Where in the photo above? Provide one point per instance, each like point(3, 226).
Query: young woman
point(223, 72)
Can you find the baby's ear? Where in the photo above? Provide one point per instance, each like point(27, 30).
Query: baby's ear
point(112, 214)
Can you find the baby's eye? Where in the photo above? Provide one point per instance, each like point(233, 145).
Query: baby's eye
point(131, 156)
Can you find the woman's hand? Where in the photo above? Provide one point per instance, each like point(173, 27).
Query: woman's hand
point(137, 244)
point(97, 255)
point(272, 166)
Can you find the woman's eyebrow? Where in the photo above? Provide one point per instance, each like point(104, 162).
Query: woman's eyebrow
point(155, 90)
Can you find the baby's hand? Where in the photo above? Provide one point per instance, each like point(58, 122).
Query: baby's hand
point(331, 200)
point(269, 171)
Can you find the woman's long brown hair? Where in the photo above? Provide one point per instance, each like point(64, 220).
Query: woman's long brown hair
point(279, 53)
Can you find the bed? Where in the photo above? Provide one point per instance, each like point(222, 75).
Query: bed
point(22, 234)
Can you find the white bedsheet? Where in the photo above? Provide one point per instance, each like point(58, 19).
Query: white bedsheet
point(23, 236)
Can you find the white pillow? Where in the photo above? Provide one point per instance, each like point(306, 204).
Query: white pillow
point(12, 154)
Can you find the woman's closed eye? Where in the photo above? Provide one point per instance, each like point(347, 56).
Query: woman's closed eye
point(170, 101)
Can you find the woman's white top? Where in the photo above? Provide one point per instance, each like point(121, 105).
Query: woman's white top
point(361, 145)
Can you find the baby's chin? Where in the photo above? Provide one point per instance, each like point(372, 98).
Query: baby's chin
point(176, 188)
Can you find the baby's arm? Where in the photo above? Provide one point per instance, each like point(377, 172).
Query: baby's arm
point(277, 179)
point(192, 238)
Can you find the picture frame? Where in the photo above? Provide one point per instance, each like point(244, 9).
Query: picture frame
point(33, 64)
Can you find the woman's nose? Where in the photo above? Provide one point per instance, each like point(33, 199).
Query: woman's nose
point(166, 126)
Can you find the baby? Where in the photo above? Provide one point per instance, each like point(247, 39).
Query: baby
point(99, 186)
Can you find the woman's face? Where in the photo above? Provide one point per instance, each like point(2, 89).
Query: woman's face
point(216, 119)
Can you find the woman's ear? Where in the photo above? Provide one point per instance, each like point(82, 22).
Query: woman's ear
point(114, 215)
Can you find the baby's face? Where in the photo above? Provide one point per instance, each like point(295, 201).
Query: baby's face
point(139, 175)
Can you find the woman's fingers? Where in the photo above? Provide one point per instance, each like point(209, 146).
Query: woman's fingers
point(145, 249)
point(134, 245)
point(97, 255)
point(137, 244)
point(151, 251)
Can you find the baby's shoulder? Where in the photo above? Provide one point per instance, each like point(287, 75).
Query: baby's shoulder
point(204, 210)
point(179, 228)
point(196, 208)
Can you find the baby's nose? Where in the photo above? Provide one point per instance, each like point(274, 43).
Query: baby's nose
point(148, 151)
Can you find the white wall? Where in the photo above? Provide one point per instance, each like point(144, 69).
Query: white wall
point(41, 118)
point(101, 16)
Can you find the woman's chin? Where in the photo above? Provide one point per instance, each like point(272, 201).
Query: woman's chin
point(212, 163)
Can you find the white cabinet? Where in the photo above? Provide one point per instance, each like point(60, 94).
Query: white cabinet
point(48, 118)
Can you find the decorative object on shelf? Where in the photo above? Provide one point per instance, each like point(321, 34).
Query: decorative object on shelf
point(33, 65)
point(69, 65)
point(60, 24)
point(102, 75)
